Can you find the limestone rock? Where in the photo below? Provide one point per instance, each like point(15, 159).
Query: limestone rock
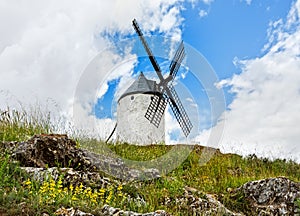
point(107, 211)
point(50, 151)
point(111, 211)
point(201, 204)
point(272, 196)
point(59, 151)
point(70, 212)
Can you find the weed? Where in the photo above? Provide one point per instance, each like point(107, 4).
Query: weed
point(18, 125)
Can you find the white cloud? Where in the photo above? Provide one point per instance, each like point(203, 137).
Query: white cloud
point(208, 2)
point(203, 13)
point(248, 2)
point(195, 2)
point(264, 116)
point(173, 130)
point(45, 46)
point(126, 79)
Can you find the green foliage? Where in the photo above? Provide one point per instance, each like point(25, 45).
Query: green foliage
point(11, 191)
point(298, 204)
point(51, 194)
point(18, 125)
point(139, 153)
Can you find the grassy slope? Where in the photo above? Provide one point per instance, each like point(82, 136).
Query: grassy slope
point(217, 176)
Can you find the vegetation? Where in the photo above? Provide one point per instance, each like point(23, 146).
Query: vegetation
point(18, 125)
point(223, 172)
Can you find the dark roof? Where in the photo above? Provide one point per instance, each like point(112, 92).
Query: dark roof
point(141, 85)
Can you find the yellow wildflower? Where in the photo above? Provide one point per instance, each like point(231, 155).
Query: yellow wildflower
point(74, 198)
point(120, 187)
point(59, 183)
point(28, 182)
point(52, 183)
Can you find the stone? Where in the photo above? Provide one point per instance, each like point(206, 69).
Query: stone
point(272, 196)
point(111, 211)
point(55, 150)
point(70, 212)
point(206, 204)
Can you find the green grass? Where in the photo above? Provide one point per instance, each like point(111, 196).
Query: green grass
point(220, 174)
point(16, 125)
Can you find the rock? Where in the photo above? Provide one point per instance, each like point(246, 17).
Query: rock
point(206, 204)
point(107, 211)
point(9, 147)
point(70, 176)
point(272, 196)
point(70, 212)
point(56, 150)
point(111, 211)
point(50, 151)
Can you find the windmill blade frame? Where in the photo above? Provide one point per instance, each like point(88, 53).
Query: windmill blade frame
point(156, 109)
point(166, 91)
point(179, 111)
point(157, 106)
point(148, 50)
point(177, 60)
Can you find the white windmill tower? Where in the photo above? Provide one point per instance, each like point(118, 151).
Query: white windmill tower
point(140, 110)
point(132, 126)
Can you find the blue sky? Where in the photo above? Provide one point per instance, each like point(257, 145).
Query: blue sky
point(222, 31)
point(232, 29)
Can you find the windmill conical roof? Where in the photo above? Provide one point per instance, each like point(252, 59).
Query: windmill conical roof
point(141, 85)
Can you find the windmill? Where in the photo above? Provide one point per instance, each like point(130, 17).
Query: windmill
point(140, 109)
point(167, 93)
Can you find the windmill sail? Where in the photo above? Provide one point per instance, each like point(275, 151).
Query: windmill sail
point(179, 111)
point(168, 94)
point(148, 50)
point(178, 57)
point(156, 110)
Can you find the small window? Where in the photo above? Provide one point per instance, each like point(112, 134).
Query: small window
point(152, 97)
point(132, 97)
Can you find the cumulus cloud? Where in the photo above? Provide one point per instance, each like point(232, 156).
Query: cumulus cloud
point(264, 116)
point(46, 46)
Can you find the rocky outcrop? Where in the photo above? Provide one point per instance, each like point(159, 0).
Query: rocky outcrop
point(49, 151)
point(44, 151)
point(107, 211)
point(193, 202)
point(272, 196)
point(111, 211)
point(70, 212)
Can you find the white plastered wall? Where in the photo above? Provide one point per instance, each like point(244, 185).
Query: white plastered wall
point(132, 126)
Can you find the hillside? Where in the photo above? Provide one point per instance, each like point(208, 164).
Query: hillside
point(44, 174)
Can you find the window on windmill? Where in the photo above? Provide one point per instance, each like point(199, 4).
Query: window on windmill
point(132, 97)
point(152, 97)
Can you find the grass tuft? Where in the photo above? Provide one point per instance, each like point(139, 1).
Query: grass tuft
point(16, 125)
